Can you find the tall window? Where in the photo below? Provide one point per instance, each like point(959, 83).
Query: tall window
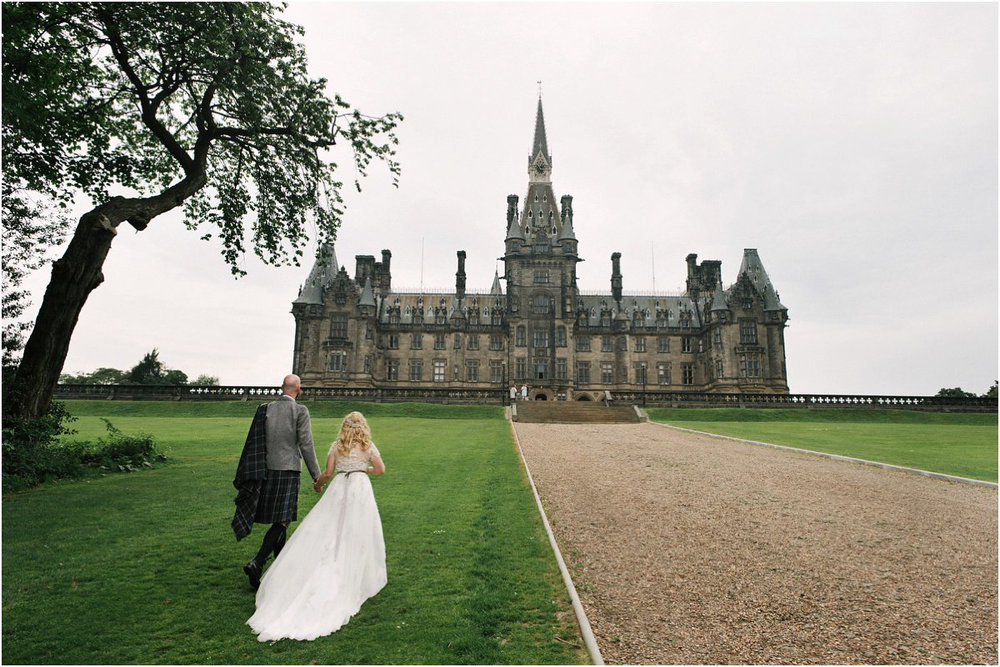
point(748, 332)
point(583, 343)
point(718, 368)
point(583, 372)
point(640, 343)
point(541, 369)
point(750, 365)
point(338, 361)
point(606, 344)
point(474, 341)
point(540, 304)
point(416, 341)
point(496, 371)
point(521, 368)
point(338, 326)
point(416, 370)
point(662, 343)
point(393, 341)
point(687, 373)
point(472, 371)
point(717, 337)
point(439, 341)
point(439, 368)
point(607, 372)
point(686, 344)
point(663, 373)
point(392, 369)
point(496, 342)
point(540, 338)
point(640, 372)
point(560, 336)
point(520, 338)
point(560, 369)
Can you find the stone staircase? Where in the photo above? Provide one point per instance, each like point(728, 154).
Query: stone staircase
point(573, 412)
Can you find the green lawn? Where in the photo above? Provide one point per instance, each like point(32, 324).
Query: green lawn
point(143, 567)
point(954, 444)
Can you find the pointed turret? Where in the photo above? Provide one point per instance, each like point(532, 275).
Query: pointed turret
point(567, 218)
point(719, 299)
point(323, 272)
point(496, 289)
point(367, 295)
point(513, 225)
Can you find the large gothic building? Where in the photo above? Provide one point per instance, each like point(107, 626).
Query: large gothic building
point(535, 326)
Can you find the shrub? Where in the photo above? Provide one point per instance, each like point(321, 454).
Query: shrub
point(31, 449)
point(32, 453)
point(123, 452)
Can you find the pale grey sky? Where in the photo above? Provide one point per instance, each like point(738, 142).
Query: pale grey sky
point(854, 145)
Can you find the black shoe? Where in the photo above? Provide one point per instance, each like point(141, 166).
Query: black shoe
point(252, 570)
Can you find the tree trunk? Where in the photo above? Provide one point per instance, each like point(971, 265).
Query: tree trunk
point(74, 277)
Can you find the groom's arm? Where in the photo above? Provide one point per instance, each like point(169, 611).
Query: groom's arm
point(304, 439)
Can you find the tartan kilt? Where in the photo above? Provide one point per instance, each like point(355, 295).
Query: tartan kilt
point(279, 497)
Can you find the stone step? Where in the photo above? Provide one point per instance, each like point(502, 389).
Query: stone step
point(573, 412)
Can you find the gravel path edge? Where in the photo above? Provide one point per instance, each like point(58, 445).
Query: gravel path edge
point(838, 457)
point(581, 616)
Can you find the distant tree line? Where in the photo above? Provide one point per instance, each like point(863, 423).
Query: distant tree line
point(958, 392)
point(150, 370)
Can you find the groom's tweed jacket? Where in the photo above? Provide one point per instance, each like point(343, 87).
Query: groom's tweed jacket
point(289, 437)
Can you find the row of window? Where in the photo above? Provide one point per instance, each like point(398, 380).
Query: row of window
point(471, 341)
point(748, 333)
point(749, 368)
point(540, 339)
point(439, 369)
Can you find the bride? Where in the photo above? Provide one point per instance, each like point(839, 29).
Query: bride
point(335, 560)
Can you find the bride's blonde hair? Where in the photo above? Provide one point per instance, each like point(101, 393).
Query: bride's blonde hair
point(354, 432)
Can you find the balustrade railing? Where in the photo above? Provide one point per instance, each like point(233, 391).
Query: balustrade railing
point(498, 396)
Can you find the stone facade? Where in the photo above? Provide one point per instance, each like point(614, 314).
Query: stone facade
point(540, 329)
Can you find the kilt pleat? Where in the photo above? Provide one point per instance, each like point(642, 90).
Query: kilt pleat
point(279, 497)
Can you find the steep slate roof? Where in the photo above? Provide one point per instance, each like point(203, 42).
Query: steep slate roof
point(753, 269)
point(321, 275)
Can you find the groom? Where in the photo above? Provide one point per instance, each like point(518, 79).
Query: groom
point(279, 436)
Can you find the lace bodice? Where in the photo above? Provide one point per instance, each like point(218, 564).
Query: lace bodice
point(355, 460)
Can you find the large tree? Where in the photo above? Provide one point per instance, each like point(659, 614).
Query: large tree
point(146, 107)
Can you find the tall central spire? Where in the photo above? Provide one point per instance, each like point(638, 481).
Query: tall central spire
point(540, 162)
point(540, 145)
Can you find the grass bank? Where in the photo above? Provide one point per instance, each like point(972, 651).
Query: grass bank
point(951, 443)
point(143, 568)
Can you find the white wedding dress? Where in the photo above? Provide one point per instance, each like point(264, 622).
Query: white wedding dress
point(332, 563)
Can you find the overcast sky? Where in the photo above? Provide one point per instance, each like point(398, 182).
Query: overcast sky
point(854, 145)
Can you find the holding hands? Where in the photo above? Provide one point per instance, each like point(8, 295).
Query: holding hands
point(320, 482)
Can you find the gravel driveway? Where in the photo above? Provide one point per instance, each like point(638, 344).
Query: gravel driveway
point(690, 549)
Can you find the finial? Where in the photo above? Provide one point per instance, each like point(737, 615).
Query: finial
point(539, 90)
